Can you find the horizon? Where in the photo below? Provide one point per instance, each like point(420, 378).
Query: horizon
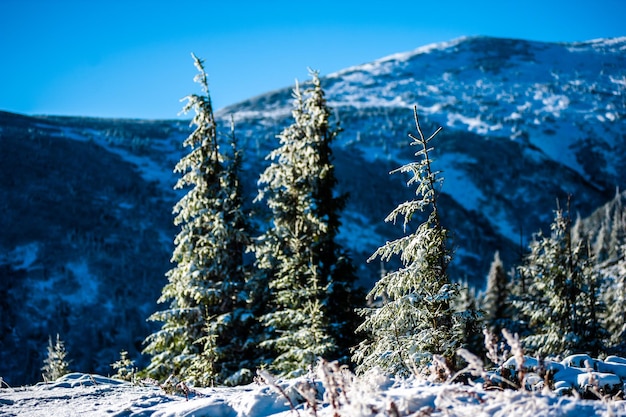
point(133, 59)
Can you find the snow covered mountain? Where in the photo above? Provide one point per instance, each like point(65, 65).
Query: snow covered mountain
point(87, 230)
point(525, 123)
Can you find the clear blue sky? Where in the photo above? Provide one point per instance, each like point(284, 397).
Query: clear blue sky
point(126, 58)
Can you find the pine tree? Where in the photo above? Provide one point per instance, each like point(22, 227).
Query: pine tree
point(472, 319)
point(309, 275)
point(240, 352)
point(618, 227)
point(228, 348)
point(518, 294)
point(613, 269)
point(614, 297)
point(124, 367)
point(600, 247)
point(200, 338)
point(416, 319)
point(55, 363)
point(606, 227)
point(579, 232)
point(496, 303)
point(562, 301)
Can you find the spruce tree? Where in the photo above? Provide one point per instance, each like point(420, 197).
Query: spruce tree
point(124, 367)
point(309, 275)
point(201, 338)
point(618, 227)
point(55, 365)
point(562, 301)
point(600, 247)
point(496, 303)
point(472, 319)
point(613, 270)
point(416, 319)
point(614, 297)
point(606, 227)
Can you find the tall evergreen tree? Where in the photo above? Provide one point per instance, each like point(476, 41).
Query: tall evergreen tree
point(562, 300)
point(309, 274)
point(201, 336)
point(416, 319)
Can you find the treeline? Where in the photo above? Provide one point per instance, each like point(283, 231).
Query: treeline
point(568, 294)
point(279, 292)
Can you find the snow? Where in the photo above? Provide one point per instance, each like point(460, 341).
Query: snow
point(355, 227)
point(401, 56)
point(471, 90)
point(22, 257)
point(87, 289)
point(615, 359)
point(149, 169)
point(372, 395)
point(580, 361)
point(75, 284)
point(474, 124)
point(457, 183)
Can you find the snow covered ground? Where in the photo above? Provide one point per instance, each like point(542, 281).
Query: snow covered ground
point(375, 395)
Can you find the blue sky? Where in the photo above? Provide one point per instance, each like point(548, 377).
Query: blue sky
point(125, 58)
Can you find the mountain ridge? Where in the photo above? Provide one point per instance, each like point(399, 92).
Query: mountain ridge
point(471, 91)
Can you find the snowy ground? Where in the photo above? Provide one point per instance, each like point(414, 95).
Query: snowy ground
point(91, 395)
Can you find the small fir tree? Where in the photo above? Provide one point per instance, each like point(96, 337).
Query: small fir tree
point(600, 246)
point(607, 228)
point(617, 237)
point(562, 301)
point(55, 365)
point(416, 320)
point(201, 336)
point(614, 298)
point(309, 275)
point(496, 303)
point(124, 367)
point(239, 355)
point(579, 231)
point(472, 319)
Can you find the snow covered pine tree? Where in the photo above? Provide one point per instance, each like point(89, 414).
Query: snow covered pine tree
point(562, 300)
point(309, 275)
point(605, 229)
point(415, 318)
point(614, 297)
point(55, 365)
point(496, 303)
point(202, 338)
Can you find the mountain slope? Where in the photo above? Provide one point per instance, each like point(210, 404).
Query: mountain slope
point(84, 245)
point(87, 228)
point(524, 123)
